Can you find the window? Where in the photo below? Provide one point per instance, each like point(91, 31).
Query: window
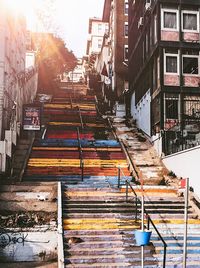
point(99, 43)
point(171, 108)
point(126, 8)
point(171, 63)
point(147, 42)
point(170, 19)
point(126, 52)
point(190, 21)
point(126, 29)
point(99, 28)
point(155, 29)
point(190, 65)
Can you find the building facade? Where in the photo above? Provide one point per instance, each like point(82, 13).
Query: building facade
point(18, 84)
point(116, 14)
point(164, 71)
point(96, 31)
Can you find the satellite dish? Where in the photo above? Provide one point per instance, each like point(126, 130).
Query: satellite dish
point(107, 81)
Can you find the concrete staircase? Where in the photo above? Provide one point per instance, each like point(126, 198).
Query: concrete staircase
point(99, 226)
point(20, 157)
point(147, 164)
point(98, 223)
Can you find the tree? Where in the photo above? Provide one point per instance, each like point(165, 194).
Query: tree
point(53, 59)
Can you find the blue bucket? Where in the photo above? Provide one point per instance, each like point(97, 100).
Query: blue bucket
point(142, 237)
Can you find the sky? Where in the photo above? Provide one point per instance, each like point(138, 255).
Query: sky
point(70, 18)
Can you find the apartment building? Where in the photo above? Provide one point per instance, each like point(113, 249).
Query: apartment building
point(115, 13)
point(18, 85)
point(96, 31)
point(164, 71)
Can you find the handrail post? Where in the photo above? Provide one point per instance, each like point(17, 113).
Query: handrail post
point(119, 174)
point(164, 257)
point(82, 166)
point(136, 207)
point(148, 222)
point(126, 191)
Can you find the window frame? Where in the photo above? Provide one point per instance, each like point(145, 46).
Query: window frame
point(191, 56)
point(163, 10)
point(125, 48)
point(165, 62)
point(176, 97)
point(125, 25)
point(100, 27)
point(190, 12)
point(126, 7)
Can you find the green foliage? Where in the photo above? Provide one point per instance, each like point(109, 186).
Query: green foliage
point(53, 59)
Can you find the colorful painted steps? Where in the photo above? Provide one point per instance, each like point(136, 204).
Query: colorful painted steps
point(104, 223)
point(74, 154)
point(82, 106)
point(75, 143)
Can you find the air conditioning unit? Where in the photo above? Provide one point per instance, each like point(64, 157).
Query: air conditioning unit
point(147, 6)
point(140, 22)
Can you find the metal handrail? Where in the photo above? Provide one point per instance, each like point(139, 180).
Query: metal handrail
point(149, 220)
point(136, 198)
point(80, 154)
point(81, 120)
point(71, 102)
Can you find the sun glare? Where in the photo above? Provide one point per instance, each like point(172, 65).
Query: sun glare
point(27, 8)
point(18, 6)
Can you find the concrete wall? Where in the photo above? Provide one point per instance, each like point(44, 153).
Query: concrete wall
point(28, 246)
point(141, 112)
point(186, 165)
point(157, 143)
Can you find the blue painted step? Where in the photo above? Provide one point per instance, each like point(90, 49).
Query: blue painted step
point(75, 143)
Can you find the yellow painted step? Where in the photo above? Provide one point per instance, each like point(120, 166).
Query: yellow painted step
point(36, 148)
point(68, 105)
point(98, 226)
point(97, 220)
point(41, 162)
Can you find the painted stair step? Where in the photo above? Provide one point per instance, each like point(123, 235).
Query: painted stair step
point(87, 258)
point(101, 233)
point(167, 215)
point(151, 202)
point(135, 256)
point(148, 207)
point(111, 265)
point(179, 251)
point(178, 238)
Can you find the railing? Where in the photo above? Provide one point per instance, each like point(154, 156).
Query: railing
point(81, 120)
point(149, 220)
point(80, 154)
point(27, 156)
point(71, 103)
